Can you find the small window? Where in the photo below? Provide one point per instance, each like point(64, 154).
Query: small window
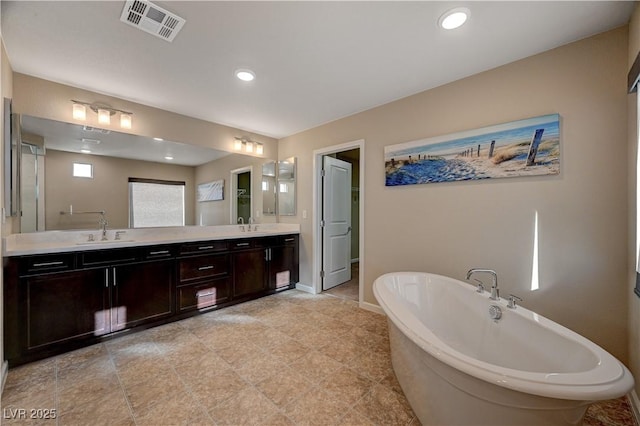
point(155, 203)
point(83, 170)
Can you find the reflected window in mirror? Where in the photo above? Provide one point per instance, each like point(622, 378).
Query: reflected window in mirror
point(83, 170)
point(156, 203)
point(287, 187)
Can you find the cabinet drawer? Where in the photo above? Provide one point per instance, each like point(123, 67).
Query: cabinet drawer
point(46, 263)
point(204, 266)
point(244, 243)
point(108, 257)
point(203, 294)
point(202, 247)
point(288, 240)
point(157, 252)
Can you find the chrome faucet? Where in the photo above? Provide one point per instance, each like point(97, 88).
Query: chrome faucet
point(103, 226)
point(241, 222)
point(495, 293)
point(250, 222)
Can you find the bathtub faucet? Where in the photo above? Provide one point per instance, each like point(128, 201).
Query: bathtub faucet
point(495, 293)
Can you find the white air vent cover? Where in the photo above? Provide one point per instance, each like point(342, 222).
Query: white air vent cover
point(152, 19)
point(96, 129)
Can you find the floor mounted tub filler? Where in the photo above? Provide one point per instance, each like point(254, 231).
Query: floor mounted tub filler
point(457, 365)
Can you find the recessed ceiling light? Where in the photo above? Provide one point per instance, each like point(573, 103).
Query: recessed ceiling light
point(454, 18)
point(168, 157)
point(245, 74)
point(158, 139)
point(85, 151)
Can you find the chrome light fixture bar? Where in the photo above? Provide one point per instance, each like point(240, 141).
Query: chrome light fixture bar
point(104, 113)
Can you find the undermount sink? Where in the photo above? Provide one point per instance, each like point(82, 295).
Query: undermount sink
point(104, 242)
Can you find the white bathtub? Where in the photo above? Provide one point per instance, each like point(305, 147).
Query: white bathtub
point(457, 366)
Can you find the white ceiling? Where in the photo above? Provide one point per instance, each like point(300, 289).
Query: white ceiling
point(315, 61)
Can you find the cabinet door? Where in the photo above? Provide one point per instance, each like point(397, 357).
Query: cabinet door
point(65, 306)
point(249, 272)
point(141, 293)
point(282, 267)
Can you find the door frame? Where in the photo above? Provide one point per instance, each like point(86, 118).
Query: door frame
point(233, 193)
point(317, 203)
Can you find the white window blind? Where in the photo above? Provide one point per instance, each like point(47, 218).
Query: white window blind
point(155, 203)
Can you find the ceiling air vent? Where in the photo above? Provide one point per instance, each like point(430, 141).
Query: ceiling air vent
point(152, 19)
point(96, 129)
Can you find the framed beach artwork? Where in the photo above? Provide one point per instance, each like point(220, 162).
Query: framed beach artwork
point(529, 147)
point(211, 191)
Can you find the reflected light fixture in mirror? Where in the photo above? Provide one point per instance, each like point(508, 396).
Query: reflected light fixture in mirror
point(104, 113)
point(246, 145)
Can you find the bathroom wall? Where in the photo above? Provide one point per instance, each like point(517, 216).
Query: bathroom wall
point(108, 190)
point(450, 227)
point(634, 301)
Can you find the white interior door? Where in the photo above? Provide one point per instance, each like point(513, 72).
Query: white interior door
point(336, 216)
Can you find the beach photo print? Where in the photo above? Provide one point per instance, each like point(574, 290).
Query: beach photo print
point(529, 147)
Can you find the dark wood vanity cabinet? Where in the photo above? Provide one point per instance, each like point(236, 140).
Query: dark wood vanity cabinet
point(58, 302)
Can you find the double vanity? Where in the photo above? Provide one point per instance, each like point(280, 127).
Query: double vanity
point(62, 291)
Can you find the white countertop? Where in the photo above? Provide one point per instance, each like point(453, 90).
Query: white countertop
point(68, 241)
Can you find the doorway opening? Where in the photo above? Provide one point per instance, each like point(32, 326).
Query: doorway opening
point(241, 190)
point(338, 202)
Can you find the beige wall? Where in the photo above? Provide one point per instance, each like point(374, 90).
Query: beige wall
point(219, 212)
point(634, 302)
point(449, 228)
point(108, 190)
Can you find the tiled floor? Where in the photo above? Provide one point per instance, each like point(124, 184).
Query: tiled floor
point(291, 358)
point(349, 290)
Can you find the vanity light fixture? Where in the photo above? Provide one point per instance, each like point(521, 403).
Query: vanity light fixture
point(454, 18)
point(248, 146)
point(104, 113)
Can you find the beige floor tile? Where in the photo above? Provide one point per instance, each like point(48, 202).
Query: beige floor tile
point(108, 409)
point(284, 386)
point(248, 407)
point(142, 371)
point(178, 410)
point(385, 407)
point(353, 418)
point(278, 419)
point(288, 351)
point(207, 365)
point(87, 391)
point(259, 366)
point(315, 408)
point(375, 365)
point(212, 391)
point(347, 386)
point(142, 395)
point(100, 367)
point(315, 366)
point(342, 350)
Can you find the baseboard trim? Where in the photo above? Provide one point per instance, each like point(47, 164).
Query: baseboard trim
point(371, 307)
point(3, 376)
point(305, 288)
point(635, 405)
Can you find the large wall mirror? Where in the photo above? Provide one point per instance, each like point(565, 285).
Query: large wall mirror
point(53, 198)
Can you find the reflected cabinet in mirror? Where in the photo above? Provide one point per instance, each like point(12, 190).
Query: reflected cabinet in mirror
point(70, 174)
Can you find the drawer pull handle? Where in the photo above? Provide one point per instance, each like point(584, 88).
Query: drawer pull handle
point(242, 244)
point(204, 268)
point(205, 247)
point(287, 240)
point(158, 252)
point(206, 294)
point(35, 265)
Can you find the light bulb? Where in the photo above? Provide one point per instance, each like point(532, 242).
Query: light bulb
point(125, 121)
point(104, 116)
point(79, 112)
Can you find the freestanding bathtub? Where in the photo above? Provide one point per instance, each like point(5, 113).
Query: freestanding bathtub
point(457, 366)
